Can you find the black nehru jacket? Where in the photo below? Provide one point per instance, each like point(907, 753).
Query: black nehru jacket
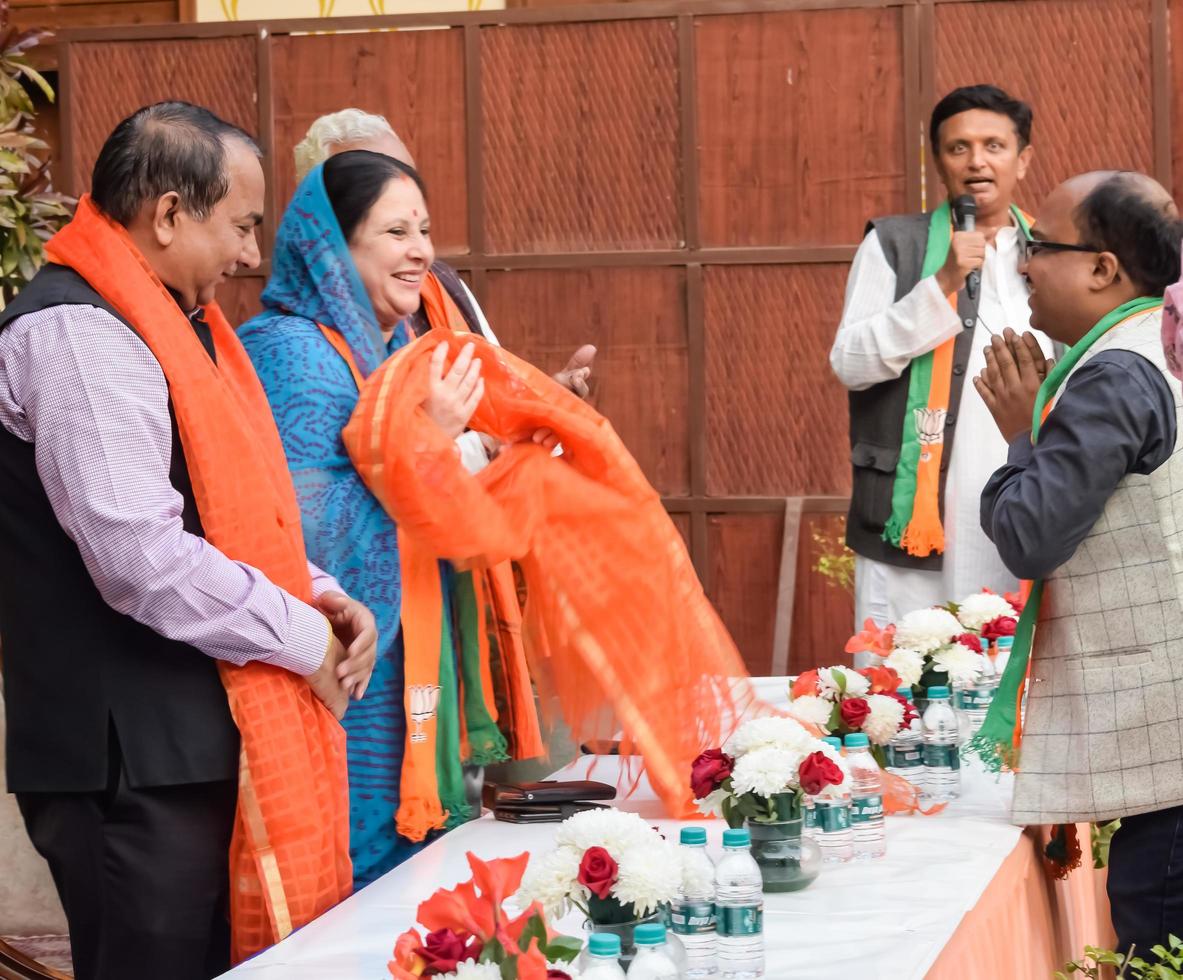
point(75, 670)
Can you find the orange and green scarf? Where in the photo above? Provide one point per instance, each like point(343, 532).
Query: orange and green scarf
point(915, 522)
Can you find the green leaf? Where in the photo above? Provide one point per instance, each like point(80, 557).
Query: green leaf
point(509, 970)
point(839, 679)
point(563, 949)
point(13, 162)
point(535, 929)
point(493, 952)
point(37, 79)
point(834, 722)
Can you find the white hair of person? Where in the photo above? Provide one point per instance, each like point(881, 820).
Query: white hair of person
point(346, 126)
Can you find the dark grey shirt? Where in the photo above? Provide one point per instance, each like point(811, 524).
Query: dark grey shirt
point(1116, 416)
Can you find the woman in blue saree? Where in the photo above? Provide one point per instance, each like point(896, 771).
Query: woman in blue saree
point(350, 257)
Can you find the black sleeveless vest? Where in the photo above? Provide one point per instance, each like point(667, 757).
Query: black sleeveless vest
point(74, 669)
point(877, 413)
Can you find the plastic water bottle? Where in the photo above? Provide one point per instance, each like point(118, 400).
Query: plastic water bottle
point(905, 752)
point(739, 909)
point(653, 960)
point(866, 810)
point(692, 916)
point(602, 961)
point(942, 765)
point(832, 820)
point(972, 701)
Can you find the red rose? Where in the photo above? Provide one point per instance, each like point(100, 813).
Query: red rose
point(443, 949)
point(818, 771)
point(910, 712)
point(970, 640)
point(553, 974)
point(1002, 626)
point(854, 712)
point(597, 871)
point(708, 771)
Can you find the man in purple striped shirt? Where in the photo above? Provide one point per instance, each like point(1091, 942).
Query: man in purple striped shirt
point(113, 607)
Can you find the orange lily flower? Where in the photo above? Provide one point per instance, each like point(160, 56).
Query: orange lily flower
point(532, 964)
point(873, 639)
point(805, 683)
point(407, 964)
point(881, 679)
point(458, 909)
point(498, 879)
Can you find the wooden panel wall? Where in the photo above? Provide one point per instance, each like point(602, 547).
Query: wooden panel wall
point(683, 185)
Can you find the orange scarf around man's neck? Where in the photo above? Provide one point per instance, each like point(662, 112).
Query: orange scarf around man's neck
point(289, 857)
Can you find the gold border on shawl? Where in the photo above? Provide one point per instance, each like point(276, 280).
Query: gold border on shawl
point(269, 876)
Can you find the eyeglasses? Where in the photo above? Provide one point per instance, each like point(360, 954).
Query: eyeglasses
point(1030, 247)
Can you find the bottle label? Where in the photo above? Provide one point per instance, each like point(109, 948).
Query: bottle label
point(692, 918)
point(865, 808)
point(941, 757)
point(740, 920)
point(973, 698)
point(832, 819)
point(903, 757)
point(810, 818)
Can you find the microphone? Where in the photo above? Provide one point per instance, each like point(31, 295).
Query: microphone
point(966, 210)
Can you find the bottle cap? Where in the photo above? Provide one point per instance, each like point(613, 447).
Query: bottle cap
point(906, 693)
point(737, 837)
point(604, 944)
point(1004, 642)
point(833, 740)
point(940, 691)
point(693, 835)
point(651, 933)
point(857, 740)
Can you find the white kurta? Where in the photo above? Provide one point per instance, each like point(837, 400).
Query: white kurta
point(877, 339)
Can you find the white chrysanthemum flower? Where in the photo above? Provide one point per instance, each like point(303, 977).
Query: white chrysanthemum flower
point(711, 805)
point(856, 685)
point(883, 722)
point(613, 830)
point(960, 662)
point(764, 732)
point(977, 610)
point(469, 970)
point(926, 630)
point(649, 876)
point(811, 710)
point(552, 879)
point(909, 664)
point(766, 771)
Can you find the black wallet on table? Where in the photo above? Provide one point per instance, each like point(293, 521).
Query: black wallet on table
point(546, 802)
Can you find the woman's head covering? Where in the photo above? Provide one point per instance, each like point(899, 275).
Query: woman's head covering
point(313, 275)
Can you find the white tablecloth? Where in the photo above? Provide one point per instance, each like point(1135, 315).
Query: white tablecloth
point(886, 919)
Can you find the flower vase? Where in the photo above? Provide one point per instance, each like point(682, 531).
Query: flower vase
point(788, 861)
point(628, 948)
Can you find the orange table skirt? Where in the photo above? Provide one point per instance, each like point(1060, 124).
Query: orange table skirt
point(1027, 925)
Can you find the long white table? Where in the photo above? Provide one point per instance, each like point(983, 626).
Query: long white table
point(888, 918)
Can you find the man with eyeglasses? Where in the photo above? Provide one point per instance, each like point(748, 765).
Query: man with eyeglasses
point(910, 334)
point(1090, 505)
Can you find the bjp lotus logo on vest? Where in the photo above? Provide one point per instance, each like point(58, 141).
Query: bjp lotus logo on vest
point(930, 429)
point(425, 698)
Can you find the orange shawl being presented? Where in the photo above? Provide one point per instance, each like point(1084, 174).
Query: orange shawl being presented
point(289, 857)
point(615, 620)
